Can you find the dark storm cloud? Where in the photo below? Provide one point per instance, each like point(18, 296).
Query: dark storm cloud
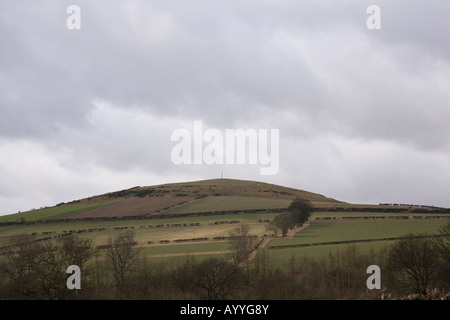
point(102, 101)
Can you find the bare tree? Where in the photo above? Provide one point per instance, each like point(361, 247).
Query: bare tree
point(181, 275)
point(122, 255)
point(19, 266)
point(271, 227)
point(37, 269)
point(51, 274)
point(243, 243)
point(218, 277)
point(75, 250)
point(443, 244)
point(413, 262)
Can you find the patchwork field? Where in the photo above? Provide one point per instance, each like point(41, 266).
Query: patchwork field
point(281, 258)
point(176, 220)
point(56, 212)
point(357, 230)
point(147, 231)
point(134, 207)
point(321, 239)
point(230, 203)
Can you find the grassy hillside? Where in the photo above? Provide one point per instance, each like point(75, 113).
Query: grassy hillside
point(205, 195)
point(230, 203)
point(197, 218)
point(177, 227)
point(57, 212)
point(224, 187)
point(355, 230)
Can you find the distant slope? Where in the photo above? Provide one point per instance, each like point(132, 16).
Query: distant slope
point(222, 194)
point(221, 187)
point(229, 203)
point(133, 207)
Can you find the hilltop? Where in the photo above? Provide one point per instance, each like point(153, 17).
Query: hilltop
point(185, 197)
point(220, 187)
point(202, 222)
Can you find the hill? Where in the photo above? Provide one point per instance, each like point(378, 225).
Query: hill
point(176, 198)
point(185, 224)
point(220, 187)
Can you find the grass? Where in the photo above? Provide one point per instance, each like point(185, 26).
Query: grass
point(228, 203)
point(166, 260)
point(280, 258)
point(145, 229)
point(372, 214)
point(330, 231)
point(234, 187)
point(179, 249)
point(186, 248)
point(57, 212)
point(175, 260)
point(156, 235)
point(235, 195)
point(353, 230)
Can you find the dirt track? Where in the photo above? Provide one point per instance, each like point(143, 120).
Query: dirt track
point(265, 241)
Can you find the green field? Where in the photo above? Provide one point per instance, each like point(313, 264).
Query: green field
point(178, 226)
point(180, 259)
point(354, 230)
point(172, 234)
point(158, 251)
point(230, 203)
point(57, 212)
point(186, 248)
point(235, 187)
point(280, 258)
point(356, 214)
point(159, 235)
point(151, 230)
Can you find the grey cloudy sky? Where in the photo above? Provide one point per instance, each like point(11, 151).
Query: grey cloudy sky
point(363, 114)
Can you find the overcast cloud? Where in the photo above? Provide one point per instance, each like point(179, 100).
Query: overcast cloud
point(363, 114)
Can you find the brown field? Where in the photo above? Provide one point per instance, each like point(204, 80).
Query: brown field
point(134, 207)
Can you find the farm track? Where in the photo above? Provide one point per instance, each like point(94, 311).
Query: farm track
point(265, 240)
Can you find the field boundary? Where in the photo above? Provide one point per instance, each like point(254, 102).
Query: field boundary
point(403, 217)
point(147, 217)
point(316, 244)
point(151, 216)
point(165, 255)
